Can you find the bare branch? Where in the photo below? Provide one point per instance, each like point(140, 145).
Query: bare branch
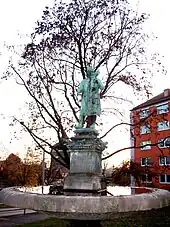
point(129, 124)
point(127, 148)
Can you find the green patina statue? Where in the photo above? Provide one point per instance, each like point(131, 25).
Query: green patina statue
point(90, 105)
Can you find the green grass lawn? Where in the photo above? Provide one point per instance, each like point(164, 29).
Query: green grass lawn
point(46, 223)
point(153, 218)
point(4, 206)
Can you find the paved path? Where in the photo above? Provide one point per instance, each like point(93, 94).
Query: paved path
point(12, 221)
point(14, 211)
point(9, 209)
point(15, 216)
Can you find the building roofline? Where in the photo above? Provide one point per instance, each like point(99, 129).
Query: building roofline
point(144, 106)
point(164, 96)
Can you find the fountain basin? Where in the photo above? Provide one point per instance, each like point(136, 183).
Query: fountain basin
point(85, 207)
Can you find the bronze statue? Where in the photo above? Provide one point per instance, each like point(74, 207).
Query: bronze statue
point(90, 104)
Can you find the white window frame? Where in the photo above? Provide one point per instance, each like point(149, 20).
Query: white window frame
point(165, 161)
point(146, 131)
point(146, 145)
point(146, 158)
point(167, 140)
point(147, 181)
point(144, 113)
point(165, 179)
point(163, 108)
point(164, 143)
point(163, 123)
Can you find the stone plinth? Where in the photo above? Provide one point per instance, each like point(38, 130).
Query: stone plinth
point(85, 163)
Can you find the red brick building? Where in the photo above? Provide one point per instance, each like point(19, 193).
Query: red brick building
point(150, 139)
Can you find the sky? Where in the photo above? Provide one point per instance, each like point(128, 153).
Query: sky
point(19, 16)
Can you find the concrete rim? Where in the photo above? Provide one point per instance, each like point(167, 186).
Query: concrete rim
point(85, 207)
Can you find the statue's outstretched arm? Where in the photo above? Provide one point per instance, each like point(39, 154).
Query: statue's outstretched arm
point(101, 86)
point(81, 87)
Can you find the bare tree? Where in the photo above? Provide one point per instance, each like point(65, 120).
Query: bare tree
point(107, 35)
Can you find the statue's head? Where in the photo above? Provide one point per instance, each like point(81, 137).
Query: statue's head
point(91, 72)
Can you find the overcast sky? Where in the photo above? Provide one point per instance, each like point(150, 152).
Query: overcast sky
point(19, 16)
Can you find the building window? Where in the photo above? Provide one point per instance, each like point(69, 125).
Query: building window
point(164, 160)
point(164, 125)
point(145, 129)
point(144, 113)
point(164, 143)
point(164, 178)
point(162, 108)
point(146, 161)
point(167, 142)
point(146, 178)
point(146, 145)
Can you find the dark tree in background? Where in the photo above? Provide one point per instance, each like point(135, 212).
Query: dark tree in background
point(17, 172)
point(105, 34)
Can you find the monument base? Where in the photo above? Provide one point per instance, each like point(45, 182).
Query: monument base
point(85, 173)
point(82, 184)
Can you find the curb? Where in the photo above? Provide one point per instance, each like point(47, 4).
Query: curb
point(10, 209)
point(16, 212)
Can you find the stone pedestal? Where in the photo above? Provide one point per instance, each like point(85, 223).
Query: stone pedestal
point(85, 150)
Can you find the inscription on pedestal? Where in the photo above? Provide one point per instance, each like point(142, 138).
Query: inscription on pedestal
point(85, 162)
